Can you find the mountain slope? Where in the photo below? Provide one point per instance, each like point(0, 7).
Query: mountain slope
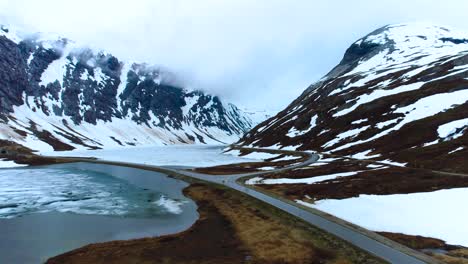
point(56, 95)
point(399, 94)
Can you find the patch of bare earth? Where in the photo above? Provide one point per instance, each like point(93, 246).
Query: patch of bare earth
point(21, 155)
point(233, 228)
point(247, 167)
point(408, 144)
point(436, 248)
point(369, 180)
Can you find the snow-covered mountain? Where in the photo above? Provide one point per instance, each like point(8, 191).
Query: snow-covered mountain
point(258, 115)
point(58, 95)
point(399, 93)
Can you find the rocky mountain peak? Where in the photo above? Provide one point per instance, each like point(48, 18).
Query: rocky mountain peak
point(58, 93)
point(419, 43)
point(400, 93)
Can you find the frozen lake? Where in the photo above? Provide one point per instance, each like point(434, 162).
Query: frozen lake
point(175, 155)
point(48, 210)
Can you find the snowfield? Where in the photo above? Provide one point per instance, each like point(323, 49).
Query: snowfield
point(103, 133)
point(453, 129)
point(316, 179)
point(440, 214)
point(260, 156)
point(175, 155)
point(9, 164)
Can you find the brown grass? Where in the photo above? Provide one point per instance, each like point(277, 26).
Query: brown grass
point(247, 167)
point(461, 252)
point(454, 255)
point(392, 180)
point(13, 151)
point(450, 259)
point(415, 242)
point(233, 228)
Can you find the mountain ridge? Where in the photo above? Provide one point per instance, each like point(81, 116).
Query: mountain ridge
point(57, 95)
point(387, 99)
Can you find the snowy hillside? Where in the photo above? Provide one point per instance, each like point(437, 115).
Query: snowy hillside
point(399, 94)
point(258, 115)
point(58, 95)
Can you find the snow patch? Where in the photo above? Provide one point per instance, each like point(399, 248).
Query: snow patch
point(311, 180)
point(172, 206)
point(9, 164)
point(415, 214)
point(453, 130)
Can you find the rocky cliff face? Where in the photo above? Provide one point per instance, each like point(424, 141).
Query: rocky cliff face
point(57, 95)
point(399, 94)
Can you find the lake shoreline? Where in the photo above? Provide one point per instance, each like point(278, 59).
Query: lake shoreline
point(35, 237)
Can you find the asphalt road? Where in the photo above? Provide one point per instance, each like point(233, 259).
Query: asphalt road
point(356, 238)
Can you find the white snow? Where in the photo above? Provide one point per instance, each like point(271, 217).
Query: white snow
point(384, 124)
point(233, 152)
point(377, 94)
point(393, 163)
point(374, 166)
point(424, 107)
point(176, 155)
point(286, 158)
point(190, 102)
point(431, 143)
point(449, 130)
point(125, 130)
point(357, 122)
point(364, 155)
point(99, 76)
point(267, 168)
point(259, 115)
point(56, 70)
point(293, 132)
point(347, 134)
point(260, 156)
point(440, 214)
point(253, 180)
point(172, 206)
point(320, 162)
point(9, 164)
point(123, 79)
point(416, 45)
point(310, 180)
point(456, 150)
point(14, 34)
point(329, 159)
point(293, 147)
point(315, 164)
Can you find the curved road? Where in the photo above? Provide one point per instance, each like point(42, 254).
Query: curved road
point(354, 235)
point(356, 238)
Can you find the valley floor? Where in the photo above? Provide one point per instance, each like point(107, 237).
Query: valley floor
point(233, 228)
point(173, 155)
point(334, 185)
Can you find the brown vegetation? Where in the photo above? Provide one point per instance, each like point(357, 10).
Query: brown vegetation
point(233, 228)
point(10, 150)
point(415, 242)
point(248, 167)
point(407, 144)
point(436, 248)
point(384, 181)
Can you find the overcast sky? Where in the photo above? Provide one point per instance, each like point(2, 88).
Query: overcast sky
point(255, 53)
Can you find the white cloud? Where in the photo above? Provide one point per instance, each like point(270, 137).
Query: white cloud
point(270, 50)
